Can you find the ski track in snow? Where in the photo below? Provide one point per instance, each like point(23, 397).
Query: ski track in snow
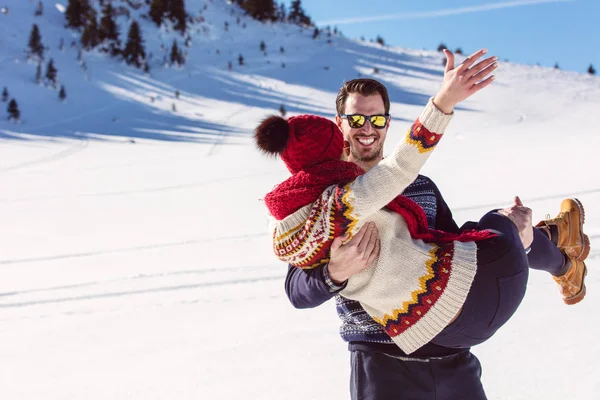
point(69, 151)
point(149, 190)
point(127, 249)
point(528, 200)
point(109, 294)
point(194, 272)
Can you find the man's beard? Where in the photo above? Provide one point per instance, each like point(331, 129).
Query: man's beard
point(367, 158)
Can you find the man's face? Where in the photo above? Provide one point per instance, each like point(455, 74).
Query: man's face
point(366, 143)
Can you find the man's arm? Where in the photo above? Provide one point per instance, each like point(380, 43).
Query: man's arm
point(307, 288)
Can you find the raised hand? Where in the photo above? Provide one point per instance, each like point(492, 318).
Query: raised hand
point(465, 80)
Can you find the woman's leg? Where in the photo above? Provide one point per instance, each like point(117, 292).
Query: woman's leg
point(499, 285)
point(545, 256)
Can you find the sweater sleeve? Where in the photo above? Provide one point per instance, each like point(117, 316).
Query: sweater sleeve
point(308, 288)
point(375, 189)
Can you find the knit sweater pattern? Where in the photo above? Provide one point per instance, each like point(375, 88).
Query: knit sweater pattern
point(414, 288)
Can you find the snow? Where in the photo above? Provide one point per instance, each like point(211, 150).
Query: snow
point(135, 258)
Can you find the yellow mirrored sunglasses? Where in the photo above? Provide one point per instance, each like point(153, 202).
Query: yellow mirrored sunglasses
point(378, 121)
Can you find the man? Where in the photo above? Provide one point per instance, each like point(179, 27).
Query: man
point(445, 367)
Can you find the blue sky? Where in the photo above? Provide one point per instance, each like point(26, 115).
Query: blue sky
point(522, 31)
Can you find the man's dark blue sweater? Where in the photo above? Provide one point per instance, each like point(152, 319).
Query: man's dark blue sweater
point(311, 288)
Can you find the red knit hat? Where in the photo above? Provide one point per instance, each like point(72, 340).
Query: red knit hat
point(302, 141)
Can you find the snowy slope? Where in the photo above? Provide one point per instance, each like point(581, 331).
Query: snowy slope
point(142, 269)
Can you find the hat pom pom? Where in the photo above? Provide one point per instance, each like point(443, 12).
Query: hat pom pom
point(272, 135)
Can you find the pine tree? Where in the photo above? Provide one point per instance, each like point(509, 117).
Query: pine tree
point(380, 40)
point(281, 12)
point(297, 14)
point(442, 47)
point(263, 46)
point(158, 9)
point(316, 33)
point(261, 10)
point(108, 27)
point(78, 13)
point(13, 111)
point(458, 50)
point(178, 15)
point(241, 59)
point(62, 95)
point(90, 37)
point(4, 95)
point(591, 70)
point(282, 110)
point(38, 73)
point(61, 45)
point(51, 73)
point(39, 10)
point(281, 49)
point(134, 48)
point(35, 42)
point(176, 55)
point(556, 66)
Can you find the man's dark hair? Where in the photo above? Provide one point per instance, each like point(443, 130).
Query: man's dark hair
point(364, 87)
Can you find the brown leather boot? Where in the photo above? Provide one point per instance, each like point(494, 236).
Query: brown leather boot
point(572, 285)
point(566, 230)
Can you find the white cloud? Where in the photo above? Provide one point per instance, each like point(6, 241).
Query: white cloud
point(440, 13)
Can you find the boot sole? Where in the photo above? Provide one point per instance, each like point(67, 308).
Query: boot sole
point(579, 296)
point(585, 249)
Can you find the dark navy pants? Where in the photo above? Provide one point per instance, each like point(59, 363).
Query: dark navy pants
point(378, 376)
point(496, 293)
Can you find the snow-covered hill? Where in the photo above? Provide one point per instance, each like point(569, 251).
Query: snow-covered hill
point(134, 255)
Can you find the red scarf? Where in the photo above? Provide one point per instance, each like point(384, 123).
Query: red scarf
point(306, 186)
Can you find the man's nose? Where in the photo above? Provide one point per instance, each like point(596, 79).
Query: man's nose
point(367, 128)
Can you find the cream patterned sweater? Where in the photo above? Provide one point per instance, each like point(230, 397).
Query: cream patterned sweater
point(414, 288)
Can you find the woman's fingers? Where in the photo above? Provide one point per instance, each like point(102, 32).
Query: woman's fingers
point(471, 60)
point(482, 74)
point(480, 66)
point(478, 86)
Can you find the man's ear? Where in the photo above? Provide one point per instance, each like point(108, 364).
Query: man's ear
point(388, 122)
point(338, 122)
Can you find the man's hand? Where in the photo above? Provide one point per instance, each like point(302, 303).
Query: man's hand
point(350, 258)
point(521, 216)
point(465, 80)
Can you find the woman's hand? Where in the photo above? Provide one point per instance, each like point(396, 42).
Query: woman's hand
point(462, 82)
